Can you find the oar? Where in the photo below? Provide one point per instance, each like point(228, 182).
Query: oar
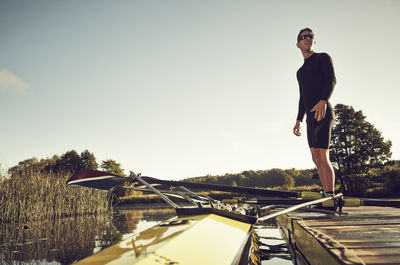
point(296, 207)
point(378, 202)
point(347, 202)
point(219, 187)
point(96, 179)
point(104, 180)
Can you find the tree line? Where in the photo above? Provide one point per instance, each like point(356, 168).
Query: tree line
point(69, 162)
point(287, 178)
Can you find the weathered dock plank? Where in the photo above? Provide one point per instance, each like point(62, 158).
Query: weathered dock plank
point(366, 235)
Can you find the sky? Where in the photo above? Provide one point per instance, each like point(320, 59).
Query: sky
point(183, 88)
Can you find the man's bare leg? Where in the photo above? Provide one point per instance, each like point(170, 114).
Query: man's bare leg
point(320, 157)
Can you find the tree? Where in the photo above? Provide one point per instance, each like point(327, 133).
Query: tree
point(357, 147)
point(112, 166)
point(31, 164)
point(88, 160)
point(70, 162)
point(275, 177)
point(288, 181)
point(51, 165)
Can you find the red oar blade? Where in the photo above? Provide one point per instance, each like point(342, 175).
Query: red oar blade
point(96, 179)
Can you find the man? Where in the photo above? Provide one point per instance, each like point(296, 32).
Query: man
point(316, 80)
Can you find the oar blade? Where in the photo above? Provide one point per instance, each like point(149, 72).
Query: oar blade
point(95, 179)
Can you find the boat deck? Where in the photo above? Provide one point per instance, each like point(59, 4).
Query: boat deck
point(367, 235)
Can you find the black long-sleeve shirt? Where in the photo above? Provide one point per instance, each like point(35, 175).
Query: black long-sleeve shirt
point(316, 82)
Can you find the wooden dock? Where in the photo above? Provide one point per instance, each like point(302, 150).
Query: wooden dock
point(366, 235)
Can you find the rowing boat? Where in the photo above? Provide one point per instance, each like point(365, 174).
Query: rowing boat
point(209, 231)
point(198, 235)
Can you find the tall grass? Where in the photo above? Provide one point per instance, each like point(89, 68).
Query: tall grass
point(65, 240)
point(29, 195)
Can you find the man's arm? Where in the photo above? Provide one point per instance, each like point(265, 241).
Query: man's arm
point(329, 78)
point(301, 110)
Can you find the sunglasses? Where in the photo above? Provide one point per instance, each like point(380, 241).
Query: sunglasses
point(303, 37)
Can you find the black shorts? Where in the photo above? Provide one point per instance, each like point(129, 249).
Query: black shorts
point(319, 132)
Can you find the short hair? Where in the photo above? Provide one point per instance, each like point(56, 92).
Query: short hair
point(301, 31)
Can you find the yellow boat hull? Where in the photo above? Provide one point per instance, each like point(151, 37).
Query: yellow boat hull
point(192, 240)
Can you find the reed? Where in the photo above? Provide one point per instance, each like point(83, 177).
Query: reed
point(29, 195)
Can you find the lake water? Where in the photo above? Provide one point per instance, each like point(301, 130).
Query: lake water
point(68, 240)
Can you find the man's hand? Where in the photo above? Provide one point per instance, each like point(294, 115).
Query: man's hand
point(320, 110)
point(296, 129)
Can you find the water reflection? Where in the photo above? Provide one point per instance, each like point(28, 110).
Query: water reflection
point(66, 241)
point(70, 239)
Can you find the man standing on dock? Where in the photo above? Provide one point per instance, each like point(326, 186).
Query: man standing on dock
point(316, 78)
